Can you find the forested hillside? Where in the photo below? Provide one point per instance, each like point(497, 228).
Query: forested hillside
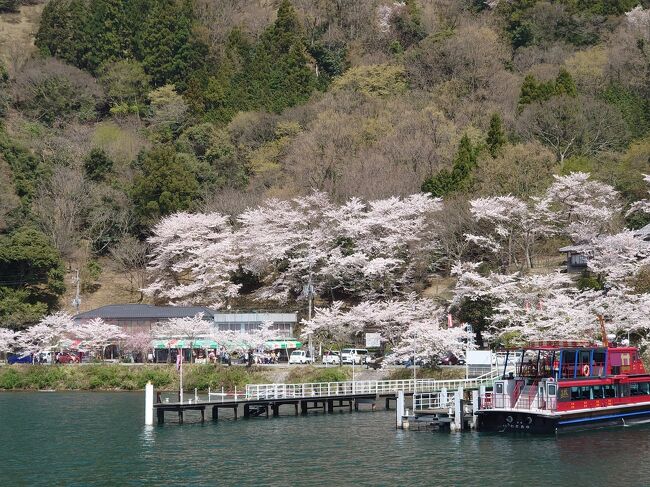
point(129, 111)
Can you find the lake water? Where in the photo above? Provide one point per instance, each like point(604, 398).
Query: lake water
point(99, 439)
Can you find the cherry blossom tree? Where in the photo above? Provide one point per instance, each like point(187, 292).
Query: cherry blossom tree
point(427, 339)
point(188, 328)
point(392, 319)
point(139, 343)
point(619, 257)
point(47, 333)
point(283, 243)
point(380, 244)
point(235, 341)
point(639, 18)
point(7, 340)
point(580, 207)
point(511, 226)
point(192, 260)
point(366, 250)
point(98, 335)
point(550, 306)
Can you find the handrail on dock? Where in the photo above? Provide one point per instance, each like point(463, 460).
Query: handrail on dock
point(279, 391)
point(378, 387)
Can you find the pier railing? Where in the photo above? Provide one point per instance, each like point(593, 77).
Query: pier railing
point(378, 387)
point(433, 400)
point(308, 390)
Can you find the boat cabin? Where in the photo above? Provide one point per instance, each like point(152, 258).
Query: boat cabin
point(560, 376)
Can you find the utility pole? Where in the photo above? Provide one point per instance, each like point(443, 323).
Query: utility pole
point(76, 302)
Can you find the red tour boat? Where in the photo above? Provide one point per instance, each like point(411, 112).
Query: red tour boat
point(564, 385)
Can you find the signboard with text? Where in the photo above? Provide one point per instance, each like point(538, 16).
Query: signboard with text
point(373, 340)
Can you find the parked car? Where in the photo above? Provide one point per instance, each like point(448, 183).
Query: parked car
point(420, 362)
point(354, 355)
point(45, 357)
point(332, 357)
point(15, 358)
point(67, 358)
point(451, 359)
point(300, 357)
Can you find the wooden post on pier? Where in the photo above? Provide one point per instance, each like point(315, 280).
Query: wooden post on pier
point(161, 415)
point(215, 413)
point(303, 407)
point(330, 405)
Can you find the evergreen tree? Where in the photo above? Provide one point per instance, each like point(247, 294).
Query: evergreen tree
point(227, 91)
point(440, 185)
point(279, 73)
point(9, 6)
point(31, 277)
point(460, 177)
point(165, 185)
point(62, 30)
point(496, 137)
point(464, 163)
point(171, 51)
point(564, 84)
point(97, 165)
point(105, 30)
point(538, 91)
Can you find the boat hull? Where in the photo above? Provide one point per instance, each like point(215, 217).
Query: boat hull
point(514, 421)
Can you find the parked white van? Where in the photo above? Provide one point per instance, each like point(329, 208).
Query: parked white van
point(300, 357)
point(354, 355)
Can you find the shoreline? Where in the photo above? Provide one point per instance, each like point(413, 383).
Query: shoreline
point(165, 378)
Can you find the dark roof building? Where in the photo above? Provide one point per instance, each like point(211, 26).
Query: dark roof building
point(141, 317)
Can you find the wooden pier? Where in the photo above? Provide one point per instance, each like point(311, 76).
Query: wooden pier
point(264, 407)
point(267, 399)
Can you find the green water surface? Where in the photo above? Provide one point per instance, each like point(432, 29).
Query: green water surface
point(88, 439)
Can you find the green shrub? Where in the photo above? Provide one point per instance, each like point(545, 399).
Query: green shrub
point(315, 374)
point(10, 378)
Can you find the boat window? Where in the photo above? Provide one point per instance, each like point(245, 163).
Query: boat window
point(568, 362)
point(499, 386)
point(598, 392)
point(565, 394)
point(575, 394)
point(634, 389)
point(551, 389)
point(643, 387)
point(610, 391)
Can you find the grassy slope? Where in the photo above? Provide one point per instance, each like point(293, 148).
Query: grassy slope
point(17, 32)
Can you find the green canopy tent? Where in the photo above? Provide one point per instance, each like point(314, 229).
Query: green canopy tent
point(282, 343)
point(204, 344)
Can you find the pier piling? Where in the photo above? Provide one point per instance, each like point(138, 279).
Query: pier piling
point(148, 404)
